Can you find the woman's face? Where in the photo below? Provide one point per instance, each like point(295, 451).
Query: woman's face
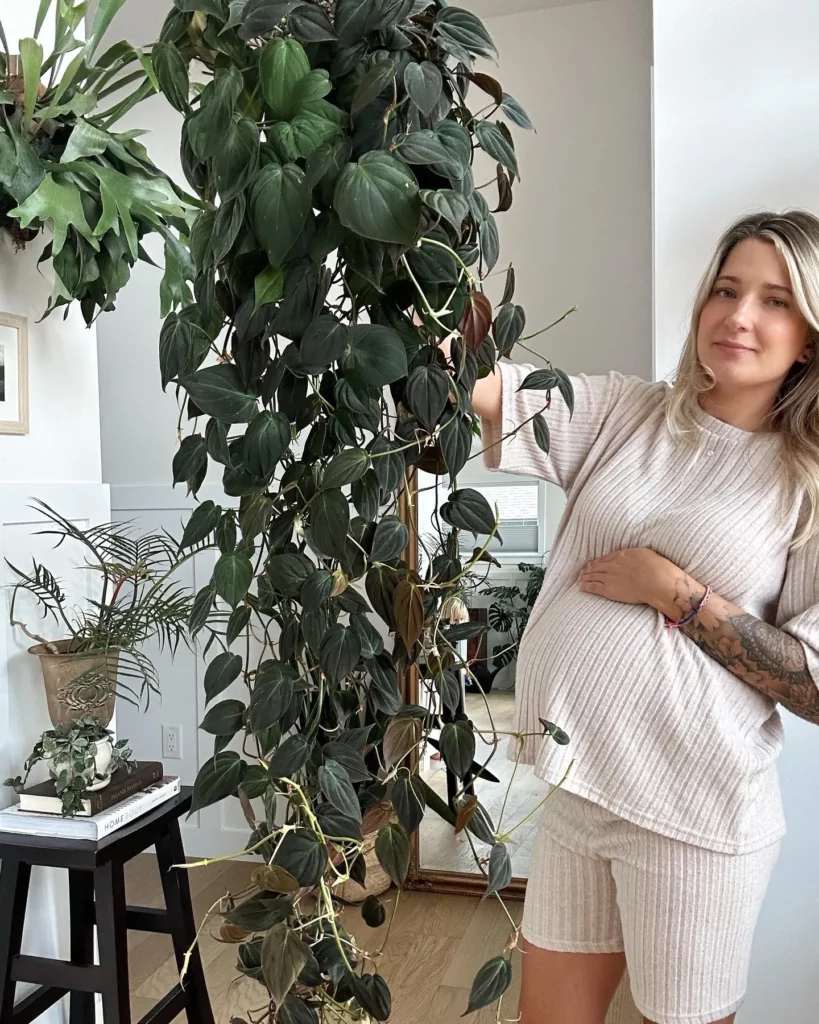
point(750, 331)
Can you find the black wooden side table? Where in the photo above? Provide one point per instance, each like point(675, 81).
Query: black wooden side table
point(96, 884)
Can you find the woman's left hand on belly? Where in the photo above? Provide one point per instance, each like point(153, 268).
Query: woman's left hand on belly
point(634, 576)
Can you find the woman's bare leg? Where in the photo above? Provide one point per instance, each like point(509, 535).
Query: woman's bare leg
point(567, 988)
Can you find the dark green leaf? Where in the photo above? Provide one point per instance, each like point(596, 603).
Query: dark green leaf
point(208, 127)
point(322, 343)
point(515, 112)
point(354, 19)
point(468, 509)
point(201, 608)
point(373, 84)
point(490, 243)
point(218, 778)
point(232, 577)
point(183, 344)
point(564, 386)
point(390, 539)
point(372, 912)
point(377, 353)
point(557, 734)
point(272, 693)
point(172, 74)
point(458, 747)
point(288, 572)
point(284, 954)
point(463, 28)
point(191, 457)
point(329, 522)
point(317, 589)
point(289, 757)
point(235, 161)
point(310, 24)
point(303, 855)
point(201, 524)
point(427, 393)
point(372, 643)
point(260, 912)
point(372, 992)
point(493, 141)
point(345, 467)
point(218, 392)
point(340, 652)
point(266, 440)
point(279, 206)
point(510, 321)
point(500, 869)
point(421, 147)
point(409, 801)
point(237, 623)
point(378, 198)
point(220, 673)
point(224, 719)
point(491, 981)
point(366, 494)
point(282, 65)
point(447, 204)
point(336, 786)
point(456, 443)
point(384, 688)
point(261, 16)
point(392, 850)
point(540, 429)
point(539, 380)
point(423, 82)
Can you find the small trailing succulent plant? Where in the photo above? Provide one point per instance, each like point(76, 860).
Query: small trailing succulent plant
point(70, 751)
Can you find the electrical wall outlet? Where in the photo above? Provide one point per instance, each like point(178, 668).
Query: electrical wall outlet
point(172, 741)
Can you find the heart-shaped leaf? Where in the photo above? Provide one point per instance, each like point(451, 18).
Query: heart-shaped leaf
point(221, 672)
point(218, 392)
point(462, 27)
point(336, 786)
point(510, 320)
point(500, 869)
point(377, 353)
point(376, 80)
point(392, 850)
point(427, 393)
point(458, 747)
point(217, 778)
point(468, 509)
point(390, 539)
point(339, 652)
point(491, 981)
point(378, 198)
point(423, 82)
point(494, 142)
point(280, 203)
point(408, 604)
point(345, 467)
point(284, 954)
point(224, 719)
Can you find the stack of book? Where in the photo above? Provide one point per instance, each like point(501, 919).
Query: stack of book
point(127, 796)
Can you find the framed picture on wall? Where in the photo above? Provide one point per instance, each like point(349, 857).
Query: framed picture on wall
point(13, 374)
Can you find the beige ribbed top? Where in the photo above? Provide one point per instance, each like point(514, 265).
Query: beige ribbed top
point(659, 732)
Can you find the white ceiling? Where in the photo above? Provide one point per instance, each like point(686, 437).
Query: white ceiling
point(493, 8)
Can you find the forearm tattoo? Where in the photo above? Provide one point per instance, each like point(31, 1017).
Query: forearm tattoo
point(767, 658)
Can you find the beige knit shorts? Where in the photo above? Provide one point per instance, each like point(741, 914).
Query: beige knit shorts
point(684, 915)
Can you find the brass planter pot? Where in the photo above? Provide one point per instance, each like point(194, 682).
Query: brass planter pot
point(78, 683)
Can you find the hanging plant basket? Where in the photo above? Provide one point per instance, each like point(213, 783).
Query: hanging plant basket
point(78, 683)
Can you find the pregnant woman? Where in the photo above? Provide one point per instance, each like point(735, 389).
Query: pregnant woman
point(679, 613)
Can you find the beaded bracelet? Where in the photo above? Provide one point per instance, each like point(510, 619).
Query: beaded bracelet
point(691, 615)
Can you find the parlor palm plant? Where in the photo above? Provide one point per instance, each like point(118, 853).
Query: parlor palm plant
point(342, 237)
point(101, 651)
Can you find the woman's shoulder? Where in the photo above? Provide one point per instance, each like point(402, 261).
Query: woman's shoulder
point(627, 393)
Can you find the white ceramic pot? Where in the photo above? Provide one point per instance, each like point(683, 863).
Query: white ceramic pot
point(102, 762)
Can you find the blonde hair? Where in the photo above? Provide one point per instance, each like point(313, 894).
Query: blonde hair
point(795, 414)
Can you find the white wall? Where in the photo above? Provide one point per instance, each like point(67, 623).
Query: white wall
point(59, 462)
point(579, 231)
point(736, 98)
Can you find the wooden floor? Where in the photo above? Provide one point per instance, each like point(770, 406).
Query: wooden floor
point(435, 947)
